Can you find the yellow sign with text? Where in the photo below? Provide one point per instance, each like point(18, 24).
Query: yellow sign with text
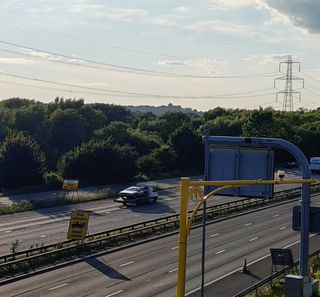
point(78, 225)
point(70, 184)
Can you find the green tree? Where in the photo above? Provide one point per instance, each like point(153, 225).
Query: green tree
point(162, 159)
point(22, 163)
point(68, 129)
point(34, 121)
point(121, 134)
point(148, 165)
point(166, 124)
point(99, 161)
point(188, 147)
point(113, 112)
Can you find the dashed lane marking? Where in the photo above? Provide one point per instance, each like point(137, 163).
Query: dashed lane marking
point(125, 264)
point(115, 293)
point(214, 235)
point(57, 287)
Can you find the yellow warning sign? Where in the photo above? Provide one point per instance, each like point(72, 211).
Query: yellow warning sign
point(70, 184)
point(78, 225)
point(196, 194)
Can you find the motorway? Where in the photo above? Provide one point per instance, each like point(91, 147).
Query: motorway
point(50, 225)
point(151, 269)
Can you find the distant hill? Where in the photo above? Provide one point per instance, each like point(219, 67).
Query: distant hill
point(160, 110)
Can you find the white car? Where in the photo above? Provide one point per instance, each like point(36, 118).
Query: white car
point(141, 193)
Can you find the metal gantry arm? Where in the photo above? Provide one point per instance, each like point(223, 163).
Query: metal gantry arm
point(186, 222)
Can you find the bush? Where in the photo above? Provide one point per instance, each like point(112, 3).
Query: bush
point(148, 165)
point(99, 161)
point(22, 163)
point(162, 159)
point(53, 180)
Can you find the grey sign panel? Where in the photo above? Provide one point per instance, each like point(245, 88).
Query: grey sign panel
point(314, 219)
point(282, 257)
point(242, 163)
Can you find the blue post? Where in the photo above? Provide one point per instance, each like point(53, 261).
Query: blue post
point(306, 174)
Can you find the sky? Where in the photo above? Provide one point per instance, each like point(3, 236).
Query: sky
point(199, 54)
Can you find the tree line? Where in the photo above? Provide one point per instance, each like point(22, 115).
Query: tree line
point(42, 143)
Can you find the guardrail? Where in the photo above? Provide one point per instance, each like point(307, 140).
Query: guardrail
point(115, 237)
point(255, 288)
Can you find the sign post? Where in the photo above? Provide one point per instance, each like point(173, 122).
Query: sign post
point(78, 225)
point(245, 176)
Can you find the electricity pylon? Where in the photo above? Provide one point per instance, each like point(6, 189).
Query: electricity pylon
point(288, 91)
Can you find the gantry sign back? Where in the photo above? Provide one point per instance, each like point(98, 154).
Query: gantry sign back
point(241, 163)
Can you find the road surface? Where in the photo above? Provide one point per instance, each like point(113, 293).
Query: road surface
point(151, 269)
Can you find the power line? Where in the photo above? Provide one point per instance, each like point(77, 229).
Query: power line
point(93, 42)
point(262, 104)
point(312, 92)
point(124, 93)
point(309, 76)
point(130, 69)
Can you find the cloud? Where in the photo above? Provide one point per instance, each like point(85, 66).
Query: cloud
point(42, 55)
point(118, 14)
point(223, 27)
point(172, 62)
point(15, 61)
point(190, 63)
point(269, 58)
point(233, 4)
point(182, 9)
point(301, 13)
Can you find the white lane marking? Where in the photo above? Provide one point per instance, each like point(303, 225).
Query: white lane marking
point(236, 270)
point(105, 211)
point(214, 235)
point(275, 216)
point(220, 252)
point(253, 239)
point(43, 236)
point(282, 228)
point(125, 264)
point(168, 199)
point(173, 270)
point(8, 231)
point(246, 225)
point(115, 293)
point(318, 203)
point(57, 287)
point(175, 247)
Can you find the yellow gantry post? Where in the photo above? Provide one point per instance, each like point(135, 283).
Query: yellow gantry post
point(186, 222)
point(184, 197)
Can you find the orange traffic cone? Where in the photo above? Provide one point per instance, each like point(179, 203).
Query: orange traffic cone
point(244, 267)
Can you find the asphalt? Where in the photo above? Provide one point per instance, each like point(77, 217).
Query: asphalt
point(236, 282)
point(151, 269)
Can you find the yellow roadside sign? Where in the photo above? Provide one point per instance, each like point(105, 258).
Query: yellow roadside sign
point(78, 225)
point(196, 194)
point(70, 184)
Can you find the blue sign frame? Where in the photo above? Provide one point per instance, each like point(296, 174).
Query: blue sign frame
point(306, 174)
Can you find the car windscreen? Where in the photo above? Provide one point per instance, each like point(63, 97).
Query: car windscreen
point(133, 189)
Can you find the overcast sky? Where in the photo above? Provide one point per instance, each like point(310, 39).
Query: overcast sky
point(198, 54)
